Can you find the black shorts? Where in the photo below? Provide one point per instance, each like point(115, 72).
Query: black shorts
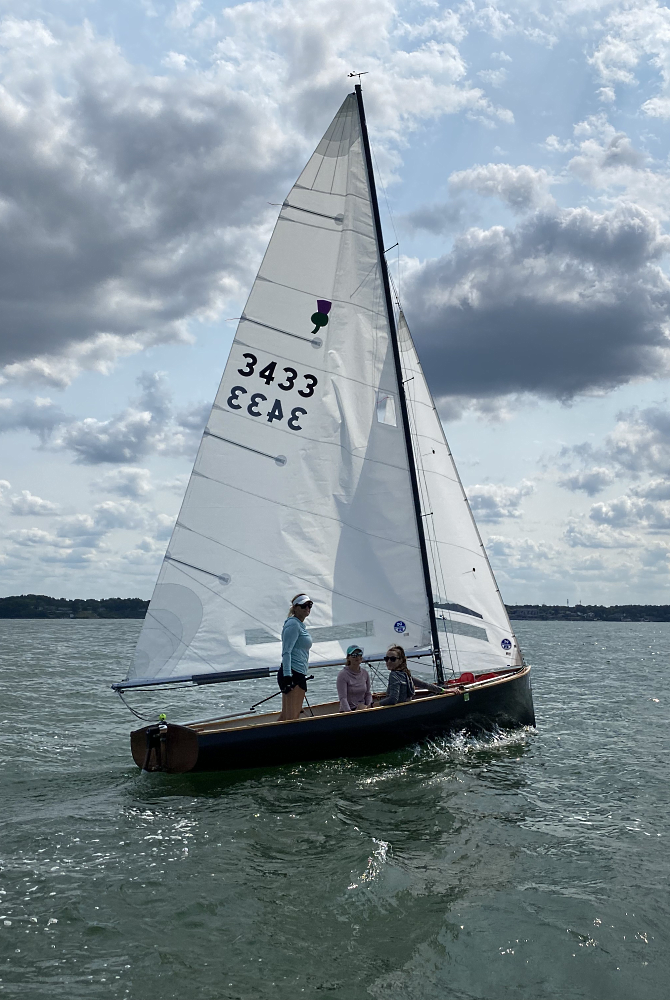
point(299, 680)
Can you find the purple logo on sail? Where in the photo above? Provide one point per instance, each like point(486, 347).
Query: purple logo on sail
point(320, 317)
point(506, 644)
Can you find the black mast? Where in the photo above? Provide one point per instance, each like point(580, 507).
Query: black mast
point(401, 393)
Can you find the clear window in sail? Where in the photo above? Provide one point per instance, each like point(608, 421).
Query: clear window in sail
point(386, 408)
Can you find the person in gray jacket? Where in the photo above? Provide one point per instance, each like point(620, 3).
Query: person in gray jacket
point(401, 682)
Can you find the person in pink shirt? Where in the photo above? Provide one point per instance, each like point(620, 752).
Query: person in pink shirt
point(353, 683)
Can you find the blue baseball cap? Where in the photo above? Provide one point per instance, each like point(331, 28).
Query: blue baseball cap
point(355, 649)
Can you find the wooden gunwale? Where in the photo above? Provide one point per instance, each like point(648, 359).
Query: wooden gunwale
point(211, 726)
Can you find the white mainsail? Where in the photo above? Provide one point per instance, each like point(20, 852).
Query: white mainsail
point(301, 483)
point(473, 626)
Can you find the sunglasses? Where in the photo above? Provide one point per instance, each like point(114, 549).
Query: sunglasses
point(357, 654)
point(307, 604)
point(391, 659)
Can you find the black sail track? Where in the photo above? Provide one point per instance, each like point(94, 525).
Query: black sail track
point(439, 670)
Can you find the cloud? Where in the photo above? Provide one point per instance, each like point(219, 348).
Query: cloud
point(163, 526)
point(638, 32)
point(123, 438)
point(439, 218)
point(192, 422)
point(521, 188)
point(416, 71)
point(590, 482)
point(603, 149)
point(26, 504)
point(496, 22)
point(133, 203)
point(80, 531)
point(176, 485)
point(519, 551)
point(627, 511)
point(40, 416)
point(183, 13)
point(119, 514)
point(99, 353)
point(555, 145)
point(35, 537)
point(145, 557)
point(608, 162)
point(640, 442)
point(81, 558)
point(494, 502)
point(619, 513)
point(82, 540)
point(494, 409)
point(494, 77)
point(566, 303)
point(657, 489)
point(123, 198)
point(655, 557)
point(523, 564)
point(590, 564)
point(579, 534)
point(148, 426)
point(126, 481)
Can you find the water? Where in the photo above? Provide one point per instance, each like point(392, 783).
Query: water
point(524, 865)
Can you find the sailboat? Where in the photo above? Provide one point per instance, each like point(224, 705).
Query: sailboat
point(324, 470)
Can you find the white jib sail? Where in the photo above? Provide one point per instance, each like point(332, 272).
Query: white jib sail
point(473, 626)
point(301, 481)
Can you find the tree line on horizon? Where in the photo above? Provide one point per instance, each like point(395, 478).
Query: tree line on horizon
point(41, 606)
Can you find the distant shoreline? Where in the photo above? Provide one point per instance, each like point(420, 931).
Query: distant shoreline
point(40, 606)
point(589, 613)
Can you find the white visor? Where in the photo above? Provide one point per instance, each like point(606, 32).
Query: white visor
point(301, 599)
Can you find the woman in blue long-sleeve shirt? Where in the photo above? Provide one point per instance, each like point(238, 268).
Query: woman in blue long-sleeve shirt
point(295, 646)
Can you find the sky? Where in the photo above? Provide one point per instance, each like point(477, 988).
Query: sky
point(523, 152)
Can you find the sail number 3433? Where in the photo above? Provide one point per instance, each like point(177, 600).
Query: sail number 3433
point(268, 374)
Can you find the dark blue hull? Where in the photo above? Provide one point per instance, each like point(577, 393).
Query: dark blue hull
point(506, 702)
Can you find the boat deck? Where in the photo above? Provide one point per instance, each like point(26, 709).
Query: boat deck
point(218, 725)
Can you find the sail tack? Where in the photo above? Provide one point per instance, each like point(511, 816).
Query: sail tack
point(301, 482)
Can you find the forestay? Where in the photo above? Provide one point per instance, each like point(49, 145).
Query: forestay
point(301, 481)
point(473, 626)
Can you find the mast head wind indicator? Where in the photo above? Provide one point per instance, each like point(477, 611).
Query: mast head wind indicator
point(359, 75)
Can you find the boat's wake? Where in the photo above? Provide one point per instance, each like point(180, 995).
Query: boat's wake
point(468, 742)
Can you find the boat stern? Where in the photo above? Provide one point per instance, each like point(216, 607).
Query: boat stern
point(165, 747)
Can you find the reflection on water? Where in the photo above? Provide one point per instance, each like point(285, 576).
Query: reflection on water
point(499, 865)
